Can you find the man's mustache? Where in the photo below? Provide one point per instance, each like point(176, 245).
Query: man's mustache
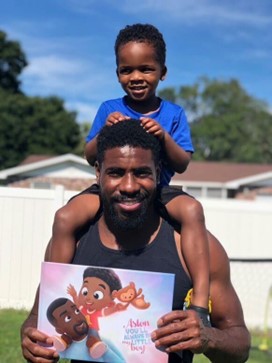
point(137, 198)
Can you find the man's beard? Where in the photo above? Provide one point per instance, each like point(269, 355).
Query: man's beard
point(130, 220)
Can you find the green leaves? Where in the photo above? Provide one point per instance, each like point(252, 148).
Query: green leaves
point(30, 125)
point(227, 124)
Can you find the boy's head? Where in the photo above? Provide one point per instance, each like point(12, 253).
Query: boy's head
point(142, 33)
point(106, 275)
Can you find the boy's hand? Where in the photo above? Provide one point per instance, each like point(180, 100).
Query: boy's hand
point(72, 291)
point(115, 117)
point(153, 127)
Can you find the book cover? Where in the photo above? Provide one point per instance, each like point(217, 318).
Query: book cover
point(100, 314)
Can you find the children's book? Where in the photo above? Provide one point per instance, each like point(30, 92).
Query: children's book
point(100, 314)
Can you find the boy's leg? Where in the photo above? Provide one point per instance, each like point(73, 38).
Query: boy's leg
point(70, 223)
point(188, 212)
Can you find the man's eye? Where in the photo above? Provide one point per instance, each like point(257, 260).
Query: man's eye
point(67, 318)
point(142, 173)
point(115, 173)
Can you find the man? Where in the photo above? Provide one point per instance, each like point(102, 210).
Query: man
point(131, 234)
point(76, 338)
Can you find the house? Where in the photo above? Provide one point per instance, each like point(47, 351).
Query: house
point(201, 179)
point(227, 180)
point(45, 172)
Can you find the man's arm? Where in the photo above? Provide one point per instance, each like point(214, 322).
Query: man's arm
point(33, 341)
point(228, 341)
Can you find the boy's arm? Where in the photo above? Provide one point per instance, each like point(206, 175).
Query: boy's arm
point(91, 146)
point(34, 343)
point(176, 156)
point(91, 150)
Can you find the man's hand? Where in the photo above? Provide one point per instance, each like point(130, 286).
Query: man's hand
point(115, 117)
point(153, 127)
point(180, 330)
point(34, 343)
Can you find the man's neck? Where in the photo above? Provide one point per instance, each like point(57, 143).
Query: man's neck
point(130, 239)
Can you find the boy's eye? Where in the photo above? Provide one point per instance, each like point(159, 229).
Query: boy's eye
point(124, 71)
point(147, 70)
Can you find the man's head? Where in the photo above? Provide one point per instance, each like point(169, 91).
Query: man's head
point(127, 133)
point(142, 33)
point(127, 172)
point(64, 315)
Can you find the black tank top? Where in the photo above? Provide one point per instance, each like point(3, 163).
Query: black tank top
point(159, 256)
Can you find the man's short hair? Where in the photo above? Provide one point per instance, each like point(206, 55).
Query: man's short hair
point(127, 133)
point(142, 33)
point(53, 306)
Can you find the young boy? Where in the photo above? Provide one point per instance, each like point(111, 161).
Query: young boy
point(140, 58)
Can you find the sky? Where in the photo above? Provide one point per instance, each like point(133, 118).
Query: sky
point(69, 45)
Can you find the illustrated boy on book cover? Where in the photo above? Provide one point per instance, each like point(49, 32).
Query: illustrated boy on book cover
point(101, 314)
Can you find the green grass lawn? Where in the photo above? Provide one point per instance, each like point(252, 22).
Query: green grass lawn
point(10, 349)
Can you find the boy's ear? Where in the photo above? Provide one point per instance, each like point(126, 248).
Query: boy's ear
point(97, 171)
point(117, 74)
point(163, 73)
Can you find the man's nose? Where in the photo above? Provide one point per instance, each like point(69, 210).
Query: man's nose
point(129, 184)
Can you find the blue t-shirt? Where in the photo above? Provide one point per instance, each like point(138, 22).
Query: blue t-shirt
point(170, 116)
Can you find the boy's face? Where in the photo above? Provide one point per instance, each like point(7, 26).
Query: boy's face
point(138, 70)
point(94, 294)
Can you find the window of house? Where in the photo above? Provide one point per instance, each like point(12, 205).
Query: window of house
point(214, 192)
point(194, 191)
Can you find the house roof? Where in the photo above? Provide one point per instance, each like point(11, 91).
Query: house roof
point(34, 158)
point(39, 164)
point(231, 175)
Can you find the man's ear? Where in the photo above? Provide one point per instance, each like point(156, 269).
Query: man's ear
point(158, 172)
point(97, 171)
point(163, 73)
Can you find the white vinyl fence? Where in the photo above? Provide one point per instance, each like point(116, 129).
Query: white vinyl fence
point(244, 229)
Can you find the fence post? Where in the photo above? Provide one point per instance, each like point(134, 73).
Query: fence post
point(59, 197)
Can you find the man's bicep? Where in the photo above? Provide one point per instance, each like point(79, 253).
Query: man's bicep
point(226, 307)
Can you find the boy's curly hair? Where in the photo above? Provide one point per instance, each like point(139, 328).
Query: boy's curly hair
point(106, 275)
point(142, 33)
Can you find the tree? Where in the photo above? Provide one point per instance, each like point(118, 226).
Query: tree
point(227, 124)
point(12, 62)
point(84, 129)
point(29, 125)
point(33, 125)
